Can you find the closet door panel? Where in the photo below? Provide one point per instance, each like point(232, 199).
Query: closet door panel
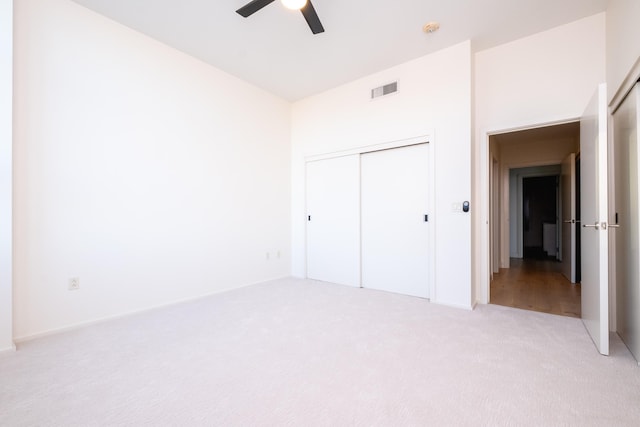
point(333, 220)
point(394, 185)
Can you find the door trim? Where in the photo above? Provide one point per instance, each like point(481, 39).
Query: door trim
point(480, 222)
point(626, 86)
point(422, 139)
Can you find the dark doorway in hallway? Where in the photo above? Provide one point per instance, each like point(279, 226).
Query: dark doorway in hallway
point(539, 217)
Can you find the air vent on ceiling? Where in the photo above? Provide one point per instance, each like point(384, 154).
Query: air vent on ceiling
point(384, 90)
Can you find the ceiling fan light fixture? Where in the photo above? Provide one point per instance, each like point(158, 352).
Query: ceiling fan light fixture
point(294, 4)
point(304, 6)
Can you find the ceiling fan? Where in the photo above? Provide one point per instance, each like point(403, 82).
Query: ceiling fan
point(305, 7)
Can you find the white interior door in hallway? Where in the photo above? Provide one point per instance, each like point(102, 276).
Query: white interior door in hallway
point(394, 186)
point(569, 220)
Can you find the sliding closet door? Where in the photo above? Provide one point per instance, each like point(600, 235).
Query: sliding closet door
point(394, 186)
point(333, 220)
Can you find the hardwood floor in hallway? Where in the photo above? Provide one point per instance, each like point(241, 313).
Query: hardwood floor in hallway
point(536, 285)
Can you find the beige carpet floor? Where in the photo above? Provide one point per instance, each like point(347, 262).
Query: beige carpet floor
point(303, 353)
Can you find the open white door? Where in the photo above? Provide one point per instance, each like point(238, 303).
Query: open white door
point(568, 234)
point(594, 212)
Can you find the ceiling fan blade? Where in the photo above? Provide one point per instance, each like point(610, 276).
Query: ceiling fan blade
point(311, 16)
point(252, 7)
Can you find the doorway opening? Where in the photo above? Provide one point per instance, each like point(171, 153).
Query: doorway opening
point(535, 191)
point(540, 217)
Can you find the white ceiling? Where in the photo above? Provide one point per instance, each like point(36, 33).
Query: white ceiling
point(275, 50)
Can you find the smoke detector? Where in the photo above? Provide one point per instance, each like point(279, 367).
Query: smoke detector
point(431, 27)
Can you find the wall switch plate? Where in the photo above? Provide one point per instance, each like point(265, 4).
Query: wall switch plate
point(74, 283)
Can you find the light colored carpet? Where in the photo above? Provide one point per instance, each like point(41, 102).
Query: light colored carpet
point(303, 353)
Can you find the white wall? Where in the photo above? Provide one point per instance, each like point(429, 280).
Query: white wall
point(545, 78)
point(6, 136)
point(623, 46)
point(147, 174)
point(434, 97)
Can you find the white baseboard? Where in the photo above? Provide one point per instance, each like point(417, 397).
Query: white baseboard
point(458, 306)
point(8, 349)
point(84, 324)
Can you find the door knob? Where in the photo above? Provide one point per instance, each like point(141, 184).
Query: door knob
point(596, 225)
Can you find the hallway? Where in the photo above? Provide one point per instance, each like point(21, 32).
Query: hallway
point(536, 285)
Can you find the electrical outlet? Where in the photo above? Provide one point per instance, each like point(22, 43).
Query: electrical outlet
point(74, 283)
point(268, 256)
